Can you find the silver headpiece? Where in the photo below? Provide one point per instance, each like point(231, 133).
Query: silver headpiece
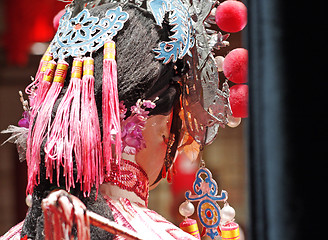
point(206, 107)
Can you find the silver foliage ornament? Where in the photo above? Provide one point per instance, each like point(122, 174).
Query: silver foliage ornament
point(206, 108)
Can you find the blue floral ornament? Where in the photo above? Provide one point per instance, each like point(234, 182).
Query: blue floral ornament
point(80, 27)
point(85, 33)
point(182, 40)
point(208, 210)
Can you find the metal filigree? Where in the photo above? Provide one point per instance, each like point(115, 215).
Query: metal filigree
point(206, 107)
point(178, 17)
point(85, 33)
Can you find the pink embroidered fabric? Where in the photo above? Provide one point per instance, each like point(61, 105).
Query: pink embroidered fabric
point(142, 220)
point(131, 178)
point(13, 233)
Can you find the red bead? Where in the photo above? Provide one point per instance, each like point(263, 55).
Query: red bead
point(209, 214)
point(231, 16)
point(235, 65)
point(239, 100)
point(77, 26)
point(164, 171)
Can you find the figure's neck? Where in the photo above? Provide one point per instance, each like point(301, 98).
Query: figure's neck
point(116, 192)
point(132, 183)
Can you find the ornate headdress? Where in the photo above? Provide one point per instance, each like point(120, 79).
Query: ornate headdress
point(75, 131)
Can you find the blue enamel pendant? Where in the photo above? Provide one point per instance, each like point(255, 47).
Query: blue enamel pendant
point(208, 211)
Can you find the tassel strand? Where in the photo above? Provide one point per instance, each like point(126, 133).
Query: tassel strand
point(33, 162)
point(110, 111)
point(41, 127)
point(59, 145)
point(90, 131)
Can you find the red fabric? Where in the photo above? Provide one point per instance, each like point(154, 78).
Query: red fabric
point(28, 21)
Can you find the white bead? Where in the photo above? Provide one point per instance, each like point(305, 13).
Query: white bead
point(213, 11)
point(186, 209)
point(28, 200)
point(227, 213)
point(219, 63)
point(233, 121)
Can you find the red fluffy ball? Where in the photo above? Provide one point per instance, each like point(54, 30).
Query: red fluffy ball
point(239, 100)
point(235, 65)
point(231, 16)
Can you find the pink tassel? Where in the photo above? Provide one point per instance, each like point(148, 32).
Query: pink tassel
point(36, 96)
point(32, 163)
point(90, 131)
point(42, 81)
point(58, 146)
point(42, 124)
point(110, 111)
point(75, 117)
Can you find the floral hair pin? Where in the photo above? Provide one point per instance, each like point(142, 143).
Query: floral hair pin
point(132, 126)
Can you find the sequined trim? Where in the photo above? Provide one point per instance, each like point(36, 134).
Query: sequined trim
point(131, 178)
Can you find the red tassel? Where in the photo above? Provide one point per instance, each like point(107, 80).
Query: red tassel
point(90, 131)
point(42, 81)
point(190, 226)
point(110, 111)
point(75, 117)
point(230, 231)
point(42, 124)
point(59, 147)
point(36, 97)
point(33, 163)
point(174, 169)
point(169, 176)
point(39, 94)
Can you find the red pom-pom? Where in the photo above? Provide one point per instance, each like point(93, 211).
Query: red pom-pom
point(239, 100)
point(57, 18)
point(235, 65)
point(231, 16)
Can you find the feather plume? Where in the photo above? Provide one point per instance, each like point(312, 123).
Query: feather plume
point(19, 137)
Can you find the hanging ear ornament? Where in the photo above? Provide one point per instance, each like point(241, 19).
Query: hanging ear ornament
point(168, 160)
point(215, 221)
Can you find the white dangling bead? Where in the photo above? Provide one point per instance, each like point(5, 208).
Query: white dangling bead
point(213, 11)
point(219, 63)
point(233, 121)
point(227, 213)
point(28, 200)
point(186, 209)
